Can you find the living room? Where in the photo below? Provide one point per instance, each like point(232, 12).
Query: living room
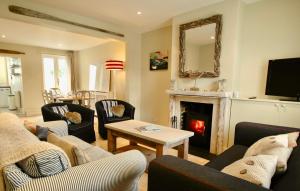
point(247, 35)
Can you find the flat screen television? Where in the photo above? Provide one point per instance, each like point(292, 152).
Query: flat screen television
point(284, 78)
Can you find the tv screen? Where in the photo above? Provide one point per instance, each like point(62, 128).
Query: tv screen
point(284, 77)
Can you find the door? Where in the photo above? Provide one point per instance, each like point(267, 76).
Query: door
point(290, 115)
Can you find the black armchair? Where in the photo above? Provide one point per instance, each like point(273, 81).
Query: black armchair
point(84, 130)
point(103, 116)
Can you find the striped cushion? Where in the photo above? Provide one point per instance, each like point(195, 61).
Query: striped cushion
point(44, 164)
point(14, 177)
point(60, 109)
point(107, 104)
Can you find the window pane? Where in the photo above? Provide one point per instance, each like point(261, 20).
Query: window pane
point(92, 77)
point(49, 78)
point(63, 75)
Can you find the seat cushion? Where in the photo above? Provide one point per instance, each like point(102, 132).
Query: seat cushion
point(231, 155)
point(117, 119)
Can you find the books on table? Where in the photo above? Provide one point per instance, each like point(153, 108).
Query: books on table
point(148, 128)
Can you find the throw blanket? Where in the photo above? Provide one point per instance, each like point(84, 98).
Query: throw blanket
point(17, 143)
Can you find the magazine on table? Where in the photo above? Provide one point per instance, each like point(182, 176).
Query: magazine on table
point(148, 128)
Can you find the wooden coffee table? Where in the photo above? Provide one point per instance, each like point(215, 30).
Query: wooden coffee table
point(161, 140)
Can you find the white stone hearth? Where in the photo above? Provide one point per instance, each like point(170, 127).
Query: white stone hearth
point(220, 118)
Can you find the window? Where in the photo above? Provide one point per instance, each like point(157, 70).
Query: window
point(57, 73)
point(92, 77)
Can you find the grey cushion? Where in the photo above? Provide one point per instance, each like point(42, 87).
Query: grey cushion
point(44, 164)
point(42, 133)
point(14, 177)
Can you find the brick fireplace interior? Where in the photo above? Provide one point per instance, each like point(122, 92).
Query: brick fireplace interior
point(197, 117)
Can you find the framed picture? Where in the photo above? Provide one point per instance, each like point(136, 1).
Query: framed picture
point(158, 61)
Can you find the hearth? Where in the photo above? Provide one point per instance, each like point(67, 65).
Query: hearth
point(197, 117)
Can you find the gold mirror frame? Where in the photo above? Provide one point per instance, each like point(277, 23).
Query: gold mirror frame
point(217, 19)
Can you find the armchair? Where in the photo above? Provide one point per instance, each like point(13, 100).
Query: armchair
point(103, 117)
point(84, 130)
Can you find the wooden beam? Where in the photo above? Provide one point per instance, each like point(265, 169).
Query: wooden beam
point(10, 51)
point(40, 15)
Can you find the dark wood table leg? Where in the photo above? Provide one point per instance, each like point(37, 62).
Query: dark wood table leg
point(183, 149)
point(132, 143)
point(111, 141)
point(160, 150)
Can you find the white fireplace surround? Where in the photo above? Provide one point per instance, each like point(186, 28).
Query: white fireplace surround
point(220, 116)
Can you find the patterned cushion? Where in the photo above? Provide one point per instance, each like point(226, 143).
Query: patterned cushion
point(107, 104)
point(44, 164)
point(14, 177)
point(60, 109)
point(258, 169)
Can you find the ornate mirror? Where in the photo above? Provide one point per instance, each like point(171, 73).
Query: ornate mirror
point(200, 48)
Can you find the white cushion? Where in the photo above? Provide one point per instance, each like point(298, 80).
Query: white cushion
point(293, 139)
point(283, 155)
point(267, 143)
point(273, 145)
point(258, 169)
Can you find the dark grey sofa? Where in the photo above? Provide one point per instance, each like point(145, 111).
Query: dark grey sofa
point(172, 173)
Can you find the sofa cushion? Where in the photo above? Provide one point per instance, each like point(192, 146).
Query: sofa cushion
point(258, 169)
point(231, 155)
point(44, 164)
point(84, 151)
point(14, 177)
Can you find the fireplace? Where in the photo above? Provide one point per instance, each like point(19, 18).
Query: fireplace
point(197, 117)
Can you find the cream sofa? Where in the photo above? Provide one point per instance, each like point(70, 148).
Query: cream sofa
point(105, 172)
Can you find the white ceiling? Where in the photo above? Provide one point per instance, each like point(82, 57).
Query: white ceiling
point(34, 35)
point(155, 13)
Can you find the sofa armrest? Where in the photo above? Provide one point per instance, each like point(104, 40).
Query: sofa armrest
point(118, 172)
point(172, 173)
point(247, 133)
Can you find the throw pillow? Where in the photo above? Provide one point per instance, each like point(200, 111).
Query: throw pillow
point(274, 145)
point(107, 104)
point(42, 133)
point(61, 110)
point(258, 169)
point(14, 177)
point(283, 155)
point(73, 117)
point(267, 143)
point(44, 164)
point(30, 126)
point(118, 110)
point(293, 139)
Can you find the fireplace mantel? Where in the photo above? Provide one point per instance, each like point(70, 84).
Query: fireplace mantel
point(200, 93)
point(220, 119)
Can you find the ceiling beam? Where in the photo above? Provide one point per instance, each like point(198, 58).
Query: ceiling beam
point(36, 14)
point(4, 51)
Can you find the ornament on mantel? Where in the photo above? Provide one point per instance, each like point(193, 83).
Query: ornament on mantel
point(173, 85)
point(221, 85)
point(195, 76)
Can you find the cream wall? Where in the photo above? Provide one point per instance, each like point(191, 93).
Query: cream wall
point(271, 30)
point(230, 9)
point(155, 101)
point(97, 56)
point(32, 74)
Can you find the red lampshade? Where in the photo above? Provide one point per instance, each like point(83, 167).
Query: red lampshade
point(114, 65)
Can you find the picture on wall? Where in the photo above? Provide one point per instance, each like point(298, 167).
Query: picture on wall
point(158, 61)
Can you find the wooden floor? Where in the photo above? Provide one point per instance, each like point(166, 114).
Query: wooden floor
point(122, 142)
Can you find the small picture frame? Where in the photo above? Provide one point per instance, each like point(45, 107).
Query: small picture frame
point(158, 60)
